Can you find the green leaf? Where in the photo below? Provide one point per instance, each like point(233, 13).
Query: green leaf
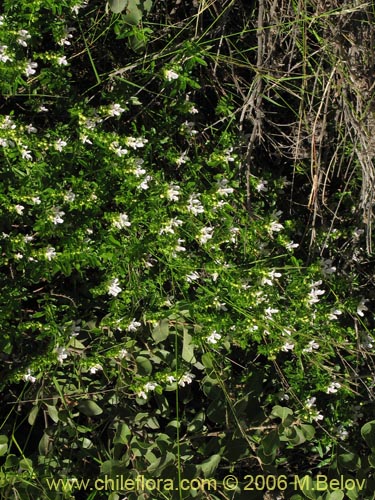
point(122, 435)
point(117, 6)
point(161, 331)
point(335, 495)
point(144, 366)
point(161, 463)
point(89, 408)
point(368, 433)
point(188, 348)
point(53, 413)
point(284, 413)
point(271, 443)
point(3, 444)
point(33, 414)
point(209, 466)
point(308, 431)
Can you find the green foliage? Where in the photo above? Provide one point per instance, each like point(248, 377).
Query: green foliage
point(162, 317)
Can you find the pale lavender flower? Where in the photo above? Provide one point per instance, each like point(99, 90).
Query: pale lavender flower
point(361, 308)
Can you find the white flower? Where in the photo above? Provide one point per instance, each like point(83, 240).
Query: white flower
point(28, 377)
point(27, 238)
point(311, 346)
point(123, 353)
point(69, 196)
point(192, 277)
point(318, 416)
point(25, 153)
point(135, 143)
point(19, 256)
point(84, 139)
point(262, 186)
point(187, 378)
point(50, 253)
point(214, 337)
point(60, 144)
point(61, 61)
point(133, 326)
point(288, 346)
point(314, 293)
point(57, 217)
point(334, 313)
point(228, 154)
point(275, 227)
point(205, 234)
point(220, 306)
point(173, 192)
point(310, 403)
point(150, 386)
point(223, 190)
point(333, 387)
point(30, 129)
point(42, 109)
point(36, 200)
point(19, 209)
point(144, 184)
point(361, 308)
point(170, 75)
point(62, 353)
point(114, 288)
point(30, 68)
point(178, 247)
point(115, 110)
point(95, 368)
point(291, 245)
point(170, 379)
point(118, 150)
point(139, 170)
point(271, 276)
point(3, 142)
point(122, 221)
point(193, 110)
point(195, 206)
point(23, 36)
point(270, 311)
point(327, 267)
point(169, 227)
point(182, 159)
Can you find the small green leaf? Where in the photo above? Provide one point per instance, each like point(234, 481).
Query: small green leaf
point(33, 414)
point(89, 408)
point(144, 365)
point(188, 348)
point(335, 495)
point(368, 433)
point(3, 444)
point(284, 413)
point(209, 466)
point(53, 413)
point(161, 331)
point(117, 6)
point(122, 435)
